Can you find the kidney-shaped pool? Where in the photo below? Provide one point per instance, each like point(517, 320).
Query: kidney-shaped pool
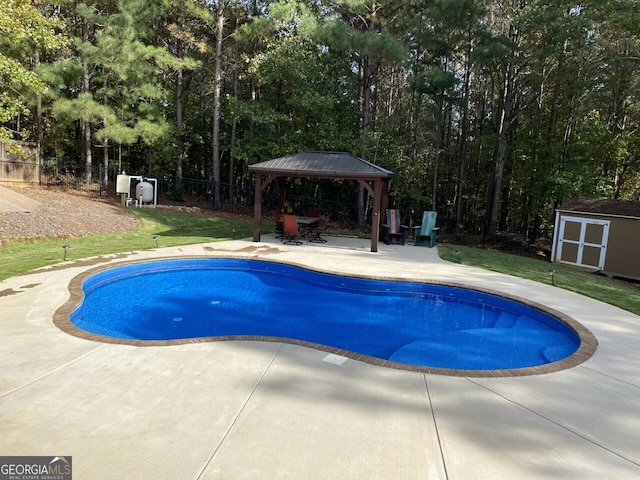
point(394, 323)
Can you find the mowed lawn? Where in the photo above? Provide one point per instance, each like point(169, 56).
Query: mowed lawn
point(156, 228)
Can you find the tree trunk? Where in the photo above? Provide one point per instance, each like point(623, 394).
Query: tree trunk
point(506, 117)
point(86, 124)
point(217, 204)
point(40, 126)
point(234, 124)
point(436, 161)
point(464, 133)
point(179, 120)
point(365, 99)
point(105, 140)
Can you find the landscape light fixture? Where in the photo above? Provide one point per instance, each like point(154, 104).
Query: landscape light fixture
point(552, 272)
point(155, 239)
point(457, 254)
point(65, 247)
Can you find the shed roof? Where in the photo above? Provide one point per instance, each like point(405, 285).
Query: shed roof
point(602, 206)
point(322, 165)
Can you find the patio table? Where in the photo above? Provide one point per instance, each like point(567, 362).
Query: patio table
point(307, 223)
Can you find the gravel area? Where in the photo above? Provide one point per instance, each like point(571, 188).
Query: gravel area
point(53, 213)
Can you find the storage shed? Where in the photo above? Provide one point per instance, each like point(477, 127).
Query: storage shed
point(600, 235)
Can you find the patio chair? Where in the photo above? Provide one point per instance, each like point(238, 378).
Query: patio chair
point(315, 232)
point(313, 212)
point(394, 231)
point(290, 230)
point(427, 233)
point(278, 219)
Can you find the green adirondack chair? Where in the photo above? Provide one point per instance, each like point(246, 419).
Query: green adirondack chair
point(427, 233)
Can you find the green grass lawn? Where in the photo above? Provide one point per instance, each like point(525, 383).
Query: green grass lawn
point(608, 290)
point(173, 229)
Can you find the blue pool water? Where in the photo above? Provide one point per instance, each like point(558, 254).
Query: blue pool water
point(413, 323)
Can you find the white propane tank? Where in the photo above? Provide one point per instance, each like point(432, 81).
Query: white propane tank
point(144, 192)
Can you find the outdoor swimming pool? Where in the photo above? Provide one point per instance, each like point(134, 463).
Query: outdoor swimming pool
point(418, 324)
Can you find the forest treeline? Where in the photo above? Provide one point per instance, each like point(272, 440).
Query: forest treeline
point(491, 112)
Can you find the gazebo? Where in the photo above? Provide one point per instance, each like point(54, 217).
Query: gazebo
point(332, 165)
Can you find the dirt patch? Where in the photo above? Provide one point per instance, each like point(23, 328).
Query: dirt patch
point(63, 215)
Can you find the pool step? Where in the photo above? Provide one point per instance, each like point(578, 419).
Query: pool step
point(506, 320)
point(512, 320)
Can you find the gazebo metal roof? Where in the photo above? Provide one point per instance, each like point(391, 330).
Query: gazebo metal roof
point(322, 165)
point(332, 165)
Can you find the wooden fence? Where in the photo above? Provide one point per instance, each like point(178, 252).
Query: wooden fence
point(19, 162)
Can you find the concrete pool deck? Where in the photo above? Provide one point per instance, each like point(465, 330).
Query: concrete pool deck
point(266, 410)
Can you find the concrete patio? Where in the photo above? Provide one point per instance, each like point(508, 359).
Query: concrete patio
point(251, 410)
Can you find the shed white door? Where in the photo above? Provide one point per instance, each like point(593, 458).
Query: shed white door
point(583, 241)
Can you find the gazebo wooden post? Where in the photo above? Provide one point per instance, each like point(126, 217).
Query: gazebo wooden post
point(257, 208)
point(384, 203)
point(375, 220)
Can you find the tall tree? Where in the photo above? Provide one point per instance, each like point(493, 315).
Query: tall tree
point(121, 93)
point(363, 32)
point(24, 31)
point(506, 55)
point(617, 33)
point(183, 34)
point(217, 91)
point(444, 34)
